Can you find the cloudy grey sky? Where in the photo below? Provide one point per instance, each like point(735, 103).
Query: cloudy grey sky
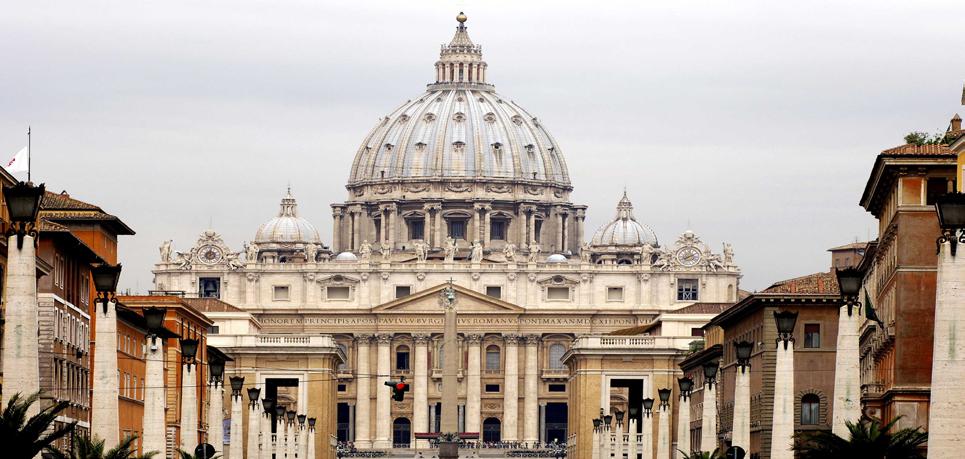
point(751, 122)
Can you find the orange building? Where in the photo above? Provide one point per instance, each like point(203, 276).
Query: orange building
point(185, 322)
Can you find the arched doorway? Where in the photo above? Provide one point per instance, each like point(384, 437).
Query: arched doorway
point(491, 428)
point(401, 433)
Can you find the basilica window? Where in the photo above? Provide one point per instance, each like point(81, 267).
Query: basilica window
point(417, 229)
point(497, 230)
point(492, 358)
point(209, 287)
point(457, 229)
point(494, 291)
point(687, 290)
point(281, 293)
point(614, 293)
point(556, 356)
point(557, 293)
point(402, 358)
point(402, 290)
point(538, 228)
point(378, 229)
point(338, 293)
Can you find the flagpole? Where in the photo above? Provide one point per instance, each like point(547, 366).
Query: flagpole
point(28, 154)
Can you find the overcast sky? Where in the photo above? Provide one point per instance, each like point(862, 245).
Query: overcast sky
point(754, 123)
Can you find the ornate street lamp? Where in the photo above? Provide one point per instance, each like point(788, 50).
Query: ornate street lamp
point(686, 386)
point(648, 406)
point(301, 420)
point(290, 415)
point(785, 326)
point(743, 350)
point(607, 420)
point(280, 411)
point(216, 370)
point(154, 318)
point(619, 416)
point(710, 372)
point(951, 218)
point(237, 382)
point(849, 282)
point(23, 205)
point(105, 282)
point(664, 395)
point(253, 394)
point(311, 424)
point(189, 349)
point(596, 424)
point(269, 405)
point(633, 411)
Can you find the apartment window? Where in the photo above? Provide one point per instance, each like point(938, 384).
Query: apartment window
point(494, 291)
point(556, 356)
point(492, 357)
point(557, 388)
point(812, 335)
point(497, 230)
point(402, 358)
point(614, 293)
point(492, 388)
point(338, 293)
point(935, 187)
point(697, 331)
point(213, 330)
point(457, 229)
point(402, 290)
point(281, 293)
point(810, 409)
point(209, 287)
point(558, 293)
point(417, 229)
point(687, 290)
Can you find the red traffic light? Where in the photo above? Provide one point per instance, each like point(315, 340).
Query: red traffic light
point(400, 386)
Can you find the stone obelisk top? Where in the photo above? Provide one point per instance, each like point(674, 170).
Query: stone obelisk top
point(450, 364)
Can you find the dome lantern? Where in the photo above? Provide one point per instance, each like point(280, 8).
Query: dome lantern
point(624, 230)
point(287, 230)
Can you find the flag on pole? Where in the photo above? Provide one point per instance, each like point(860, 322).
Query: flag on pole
point(869, 310)
point(19, 161)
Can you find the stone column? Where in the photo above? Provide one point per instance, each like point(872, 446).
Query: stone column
point(683, 428)
point(580, 217)
point(847, 373)
point(542, 423)
point(302, 440)
point(383, 406)
point(511, 389)
point(532, 228)
point(618, 440)
point(646, 435)
point(531, 391)
point(254, 430)
point(487, 225)
point(21, 352)
point(215, 435)
point(437, 239)
point(782, 427)
point(336, 232)
point(420, 389)
point(595, 447)
point(236, 448)
point(606, 443)
point(427, 225)
point(104, 414)
point(363, 385)
point(356, 216)
point(393, 226)
point(153, 438)
point(475, 225)
point(741, 432)
point(266, 443)
point(945, 420)
point(663, 433)
point(189, 407)
point(473, 384)
point(708, 433)
point(311, 444)
point(632, 440)
point(560, 226)
point(290, 433)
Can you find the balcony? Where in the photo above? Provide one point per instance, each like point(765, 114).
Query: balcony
point(277, 343)
point(555, 374)
point(345, 374)
point(872, 389)
point(629, 343)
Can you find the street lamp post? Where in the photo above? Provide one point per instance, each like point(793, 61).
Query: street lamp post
point(646, 427)
point(618, 428)
point(741, 431)
point(302, 436)
point(708, 435)
point(945, 420)
point(237, 447)
point(663, 428)
point(290, 434)
point(104, 402)
point(21, 353)
point(782, 428)
point(254, 425)
point(216, 402)
point(683, 449)
point(280, 440)
point(847, 358)
point(266, 444)
point(189, 395)
point(154, 423)
point(597, 438)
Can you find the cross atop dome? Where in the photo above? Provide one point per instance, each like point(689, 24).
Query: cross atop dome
point(460, 61)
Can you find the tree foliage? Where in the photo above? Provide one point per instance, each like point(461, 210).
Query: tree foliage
point(23, 437)
point(87, 448)
point(869, 440)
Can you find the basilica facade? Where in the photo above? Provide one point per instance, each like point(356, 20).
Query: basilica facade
point(457, 185)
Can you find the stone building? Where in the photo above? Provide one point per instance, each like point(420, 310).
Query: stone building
point(457, 184)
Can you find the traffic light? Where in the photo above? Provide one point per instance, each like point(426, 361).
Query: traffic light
point(398, 388)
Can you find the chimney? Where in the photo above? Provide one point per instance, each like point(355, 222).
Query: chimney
point(956, 123)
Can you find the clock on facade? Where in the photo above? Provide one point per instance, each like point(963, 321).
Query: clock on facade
point(688, 256)
point(210, 254)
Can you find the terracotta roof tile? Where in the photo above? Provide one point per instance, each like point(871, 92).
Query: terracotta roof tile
point(63, 201)
point(703, 308)
point(47, 226)
point(853, 245)
point(917, 150)
point(211, 305)
point(813, 284)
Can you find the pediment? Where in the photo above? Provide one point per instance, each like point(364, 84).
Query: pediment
point(467, 302)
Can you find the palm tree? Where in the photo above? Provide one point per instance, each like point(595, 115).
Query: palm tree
point(716, 454)
point(22, 437)
point(87, 448)
point(869, 440)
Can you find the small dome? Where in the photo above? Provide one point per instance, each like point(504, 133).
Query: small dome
point(346, 256)
point(624, 230)
point(287, 229)
point(556, 258)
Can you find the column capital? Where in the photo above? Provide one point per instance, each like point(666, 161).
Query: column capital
point(363, 339)
point(421, 338)
point(474, 338)
point(532, 339)
point(384, 338)
point(431, 206)
point(510, 338)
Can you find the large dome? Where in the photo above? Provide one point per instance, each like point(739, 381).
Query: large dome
point(624, 230)
point(287, 229)
point(459, 128)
